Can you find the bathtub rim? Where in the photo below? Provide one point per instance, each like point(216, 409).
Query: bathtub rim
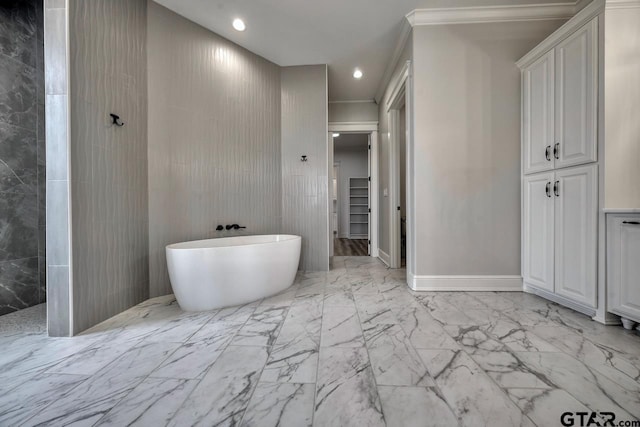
point(189, 245)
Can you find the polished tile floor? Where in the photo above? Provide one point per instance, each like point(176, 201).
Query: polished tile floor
point(350, 347)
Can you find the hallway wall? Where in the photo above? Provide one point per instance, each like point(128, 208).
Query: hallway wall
point(467, 146)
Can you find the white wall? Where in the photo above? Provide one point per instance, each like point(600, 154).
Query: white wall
point(214, 138)
point(622, 108)
point(365, 111)
point(305, 185)
point(467, 145)
point(352, 154)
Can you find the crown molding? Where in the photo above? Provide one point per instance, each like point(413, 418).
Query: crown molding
point(405, 32)
point(589, 12)
point(486, 14)
point(622, 4)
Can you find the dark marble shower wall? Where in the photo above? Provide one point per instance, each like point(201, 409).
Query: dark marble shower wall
point(22, 155)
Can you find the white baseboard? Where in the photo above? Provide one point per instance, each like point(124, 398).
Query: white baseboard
point(465, 283)
point(384, 257)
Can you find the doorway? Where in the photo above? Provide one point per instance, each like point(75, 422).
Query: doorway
point(351, 196)
point(400, 203)
point(353, 206)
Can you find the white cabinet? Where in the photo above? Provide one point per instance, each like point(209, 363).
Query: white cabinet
point(623, 265)
point(538, 108)
point(576, 92)
point(576, 208)
point(560, 108)
point(538, 217)
point(560, 233)
point(559, 165)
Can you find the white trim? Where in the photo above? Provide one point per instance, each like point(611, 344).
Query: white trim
point(398, 86)
point(465, 283)
point(405, 31)
point(485, 14)
point(363, 127)
point(384, 257)
point(589, 311)
point(374, 202)
point(622, 4)
point(355, 101)
point(580, 19)
point(370, 128)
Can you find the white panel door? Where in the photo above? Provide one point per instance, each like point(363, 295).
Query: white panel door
point(538, 231)
point(576, 208)
point(576, 90)
point(538, 115)
point(623, 259)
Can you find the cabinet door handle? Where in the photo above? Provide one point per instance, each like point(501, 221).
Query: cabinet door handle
point(547, 152)
point(556, 150)
point(548, 188)
point(556, 189)
point(631, 222)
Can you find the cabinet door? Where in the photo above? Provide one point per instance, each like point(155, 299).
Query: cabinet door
point(538, 231)
point(537, 115)
point(576, 209)
point(576, 94)
point(623, 259)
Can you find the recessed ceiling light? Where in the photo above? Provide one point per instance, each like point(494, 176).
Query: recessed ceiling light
point(335, 135)
point(238, 24)
point(357, 74)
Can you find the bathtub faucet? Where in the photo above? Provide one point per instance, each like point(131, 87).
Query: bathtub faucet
point(234, 226)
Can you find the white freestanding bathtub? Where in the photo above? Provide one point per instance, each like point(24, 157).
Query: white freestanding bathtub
point(215, 273)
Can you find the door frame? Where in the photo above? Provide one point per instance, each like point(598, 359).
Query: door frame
point(370, 128)
point(401, 97)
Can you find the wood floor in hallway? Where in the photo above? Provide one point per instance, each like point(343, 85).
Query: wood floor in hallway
point(350, 247)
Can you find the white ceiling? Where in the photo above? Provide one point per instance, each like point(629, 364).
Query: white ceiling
point(344, 34)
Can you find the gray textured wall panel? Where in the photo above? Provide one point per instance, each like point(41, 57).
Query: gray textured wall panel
point(214, 138)
point(305, 184)
point(108, 74)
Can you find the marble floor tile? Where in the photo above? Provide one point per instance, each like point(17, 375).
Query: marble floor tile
point(283, 405)
point(222, 396)
point(262, 327)
point(474, 398)
point(586, 384)
point(545, 407)
point(194, 358)
point(393, 358)
point(152, 403)
point(352, 346)
point(34, 395)
point(423, 331)
point(93, 398)
point(294, 357)
point(341, 327)
point(609, 361)
point(346, 390)
point(374, 309)
point(415, 407)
